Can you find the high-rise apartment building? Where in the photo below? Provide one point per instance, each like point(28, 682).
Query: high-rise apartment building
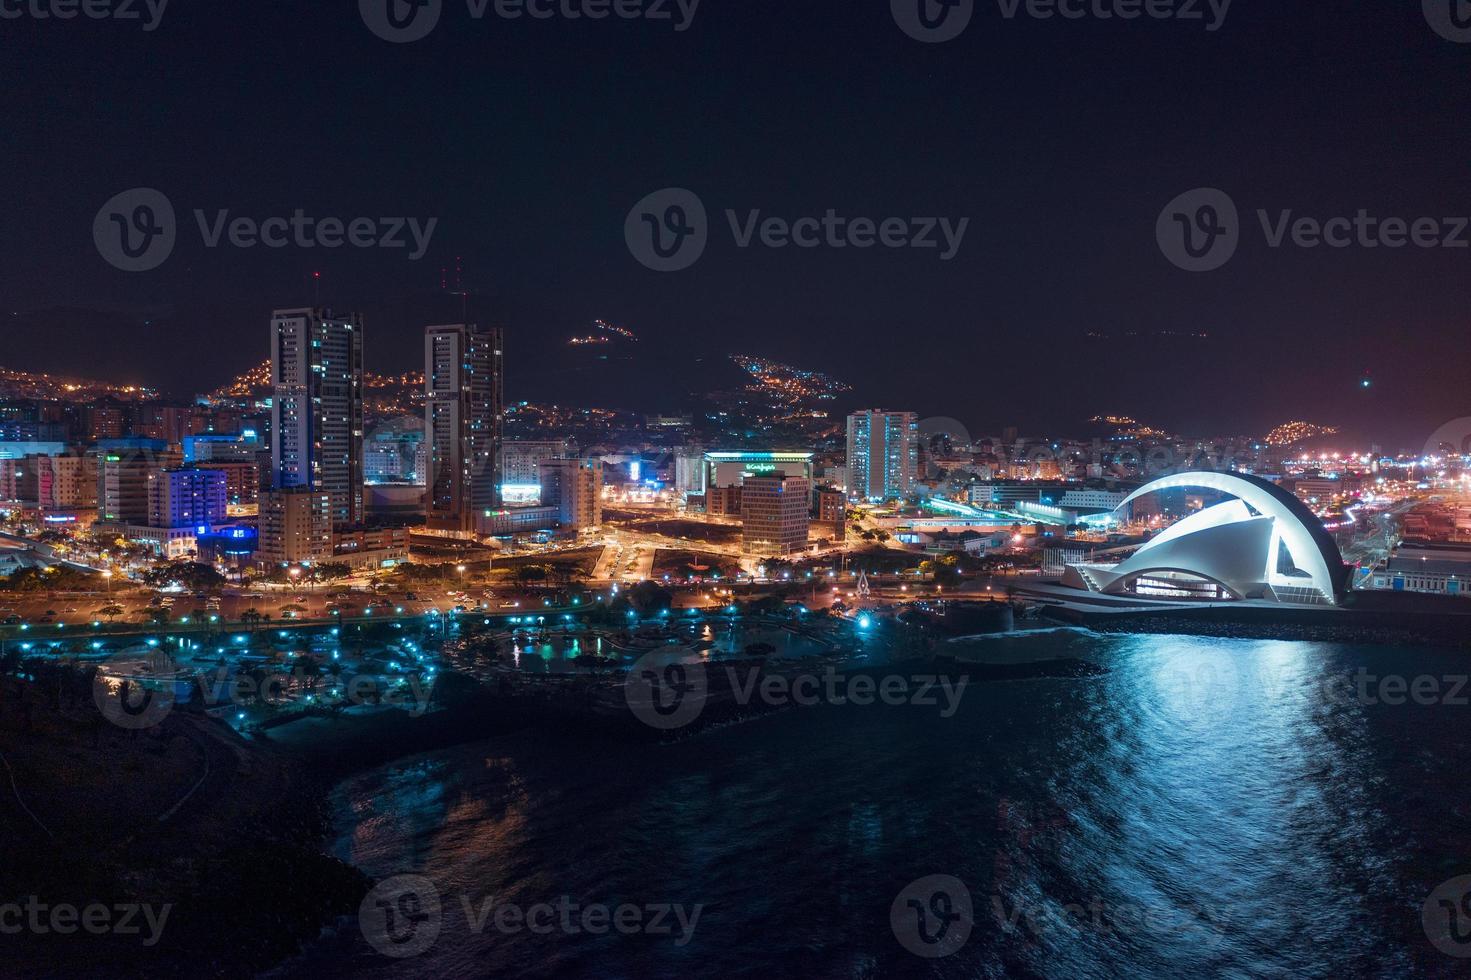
point(242, 481)
point(317, 407)
point(883, 454)
point(463, 415)
point(295, 526)
point(521, 460)
point(187, 498)
point(125, 472)
point(775, 514)
point(575, 488)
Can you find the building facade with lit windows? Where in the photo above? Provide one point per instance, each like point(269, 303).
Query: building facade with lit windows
point(575, 488)
point(463, 416)
point(126, 469)
point(317, 407)
point(521, 466)
point(187, 498)
point(883, 454)
point(295, 526)
point(776, 512)
point(730, 469)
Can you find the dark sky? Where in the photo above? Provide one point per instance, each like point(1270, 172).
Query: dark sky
point(530, 141)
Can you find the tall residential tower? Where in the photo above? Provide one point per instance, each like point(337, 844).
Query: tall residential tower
point(463, 414)
point(317, 407)
point(883, 454)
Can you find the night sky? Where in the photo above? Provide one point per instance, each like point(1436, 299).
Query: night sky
point(530, 141)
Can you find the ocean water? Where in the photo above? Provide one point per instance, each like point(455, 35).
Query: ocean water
point(1208, 807)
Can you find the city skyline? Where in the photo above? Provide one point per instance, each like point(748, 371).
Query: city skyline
point(1052, 290)
point(562, 489)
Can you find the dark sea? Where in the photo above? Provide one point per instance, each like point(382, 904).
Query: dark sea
point(1207, 807)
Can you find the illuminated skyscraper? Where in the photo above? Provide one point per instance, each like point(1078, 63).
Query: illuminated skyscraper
point(883, 454)
point(463, 415)
point(317, 410)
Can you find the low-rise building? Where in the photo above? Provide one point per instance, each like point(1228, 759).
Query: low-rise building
point(375, 547)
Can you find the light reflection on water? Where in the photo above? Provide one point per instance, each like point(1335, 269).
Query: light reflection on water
point(1216, 804)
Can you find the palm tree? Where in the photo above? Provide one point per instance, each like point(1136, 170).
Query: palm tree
point(250, 618)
